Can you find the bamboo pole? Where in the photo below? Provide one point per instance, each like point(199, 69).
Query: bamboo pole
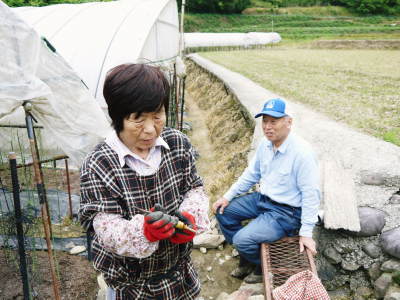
point(69, 189)
point(182, 39)
point(19, 225)
point(42, 197)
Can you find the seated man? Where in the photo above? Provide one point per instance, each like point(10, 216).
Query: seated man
point(287, 205)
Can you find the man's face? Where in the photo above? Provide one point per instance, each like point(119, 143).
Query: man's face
point(276, 129)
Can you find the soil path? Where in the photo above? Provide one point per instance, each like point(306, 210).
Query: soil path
point(200, 138)
point(214, 266)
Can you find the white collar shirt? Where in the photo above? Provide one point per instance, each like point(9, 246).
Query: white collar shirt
point(143, 167)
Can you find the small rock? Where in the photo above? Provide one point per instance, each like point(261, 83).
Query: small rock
point(340, 294)
point(209, 268)
point(235, 253)
point(332, 255)
point(374, 271)
point(395, 199)
point(223, 296)
point(350, 266)
point(257, 297)
point(326, 271)
point(396, 277)
point(344, 246)
point(221, 261)
point(203, 250)
point(214, 231)
point(208, 240)
point(101, 282)
point(393, 293)
point(255, 288)
point(364, 292)
point(390, 241)
point(77, 250)
point(381, 285)
point(373, 179)
point(372, 221)
point(221, 247)
point(70, 245)
point(390, 266)
point(228, 257)
point(372, 250)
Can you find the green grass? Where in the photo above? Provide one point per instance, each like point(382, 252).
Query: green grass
point(298, 27)
point(266, 7)
point(358, 87)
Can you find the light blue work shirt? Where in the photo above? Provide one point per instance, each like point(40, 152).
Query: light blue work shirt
point(290, 175)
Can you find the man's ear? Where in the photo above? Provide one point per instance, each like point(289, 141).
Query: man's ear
point(289, 122)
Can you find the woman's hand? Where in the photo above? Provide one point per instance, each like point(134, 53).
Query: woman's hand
point(182, 235)
point(220, 204)
point(158, 226)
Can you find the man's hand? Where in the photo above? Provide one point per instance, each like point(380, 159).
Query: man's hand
point(309, 243)
point(220, 204)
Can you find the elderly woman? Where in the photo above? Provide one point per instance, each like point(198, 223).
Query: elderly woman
point(135, 185)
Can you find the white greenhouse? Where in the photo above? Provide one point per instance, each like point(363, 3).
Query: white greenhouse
point(94, 37)
point(62, 85)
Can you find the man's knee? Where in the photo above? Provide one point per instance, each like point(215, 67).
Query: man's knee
point(241, 241)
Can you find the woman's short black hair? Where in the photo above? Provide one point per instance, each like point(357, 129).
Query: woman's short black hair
point(134, 88)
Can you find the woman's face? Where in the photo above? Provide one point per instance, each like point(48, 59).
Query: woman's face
point(140, 133)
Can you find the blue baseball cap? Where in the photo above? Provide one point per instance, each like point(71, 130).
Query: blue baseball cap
point(274, 108)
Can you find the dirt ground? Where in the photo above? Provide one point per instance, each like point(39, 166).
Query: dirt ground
point(77, 277)
point(214, 268)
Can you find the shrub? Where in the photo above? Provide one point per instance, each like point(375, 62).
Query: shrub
point(215, 6)
point(372, 6)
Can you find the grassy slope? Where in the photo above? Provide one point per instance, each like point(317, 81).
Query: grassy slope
point(359, 87)
point(298, 27)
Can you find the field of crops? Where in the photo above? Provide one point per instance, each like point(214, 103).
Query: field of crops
point(358, 87)
point(298, 27)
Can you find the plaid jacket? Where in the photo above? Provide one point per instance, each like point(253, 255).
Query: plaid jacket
point(106, 187)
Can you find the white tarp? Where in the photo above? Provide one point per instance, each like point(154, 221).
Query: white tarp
point(94, 37)
point(29, 70)
point(200, 39)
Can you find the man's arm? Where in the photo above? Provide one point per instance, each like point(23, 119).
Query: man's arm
point(308, 184)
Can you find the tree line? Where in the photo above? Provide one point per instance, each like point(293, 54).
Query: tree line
point(364, 7)
point(237, 6)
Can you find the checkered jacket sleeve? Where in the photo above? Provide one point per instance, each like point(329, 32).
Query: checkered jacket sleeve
point(97, 186)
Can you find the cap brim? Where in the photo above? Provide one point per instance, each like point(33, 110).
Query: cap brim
point(274, 114)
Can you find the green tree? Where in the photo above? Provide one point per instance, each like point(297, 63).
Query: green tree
point(215, 6)
point(372, 6)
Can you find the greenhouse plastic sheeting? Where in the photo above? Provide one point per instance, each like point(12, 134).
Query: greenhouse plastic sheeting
point(29, 70)
point(198, 39)
point(94, 37)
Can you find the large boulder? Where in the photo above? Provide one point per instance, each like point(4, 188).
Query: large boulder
point(390, 241)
